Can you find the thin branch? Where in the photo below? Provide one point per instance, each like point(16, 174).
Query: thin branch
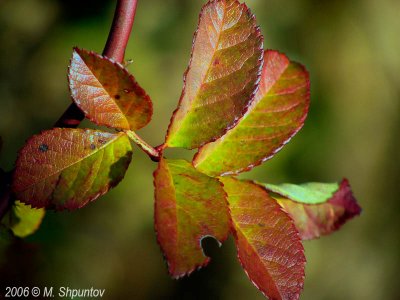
point(120, 30)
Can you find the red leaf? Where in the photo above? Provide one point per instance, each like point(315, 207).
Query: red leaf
point(269, 246)
point(188, 207)
point(107, 93)
point(315, 220)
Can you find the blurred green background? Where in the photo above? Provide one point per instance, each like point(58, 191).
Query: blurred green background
point(352, 50)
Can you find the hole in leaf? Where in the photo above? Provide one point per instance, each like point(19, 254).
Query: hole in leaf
point(210, 246)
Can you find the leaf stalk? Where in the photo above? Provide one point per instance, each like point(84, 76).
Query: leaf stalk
point(155, 155)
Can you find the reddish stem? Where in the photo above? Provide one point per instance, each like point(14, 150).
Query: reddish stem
point(120, 30)
point(115, 48)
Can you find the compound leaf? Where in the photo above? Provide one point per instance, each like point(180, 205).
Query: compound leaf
point(277, 113)
point(188, 207)
point(22, 219)
point(222, 76)
point(268, 244)
point(107, 93)
point(315, 220)
point(68, 168)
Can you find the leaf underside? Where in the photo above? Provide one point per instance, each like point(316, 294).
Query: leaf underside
point(222, 76)
point(277, 113)
point(107, 93)
point(22, 219)
point(269, 246)
point(68, 168)
point(315, 220)
point(188, 207)
point(308, 193)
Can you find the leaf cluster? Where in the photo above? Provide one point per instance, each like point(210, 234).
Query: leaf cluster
point(240, 105)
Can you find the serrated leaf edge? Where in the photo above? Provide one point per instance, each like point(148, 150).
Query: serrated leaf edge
point(234, 233)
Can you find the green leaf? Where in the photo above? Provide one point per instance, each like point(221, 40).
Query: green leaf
point(222, 76)
point(268, 244)
point(315, 220)
point(189, 206)
point(68, 168)
point(277, 114)
point(22, 219)
point(107, 93)
point(309, 193)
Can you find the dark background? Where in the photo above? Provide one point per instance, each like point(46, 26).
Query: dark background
point(352, 50)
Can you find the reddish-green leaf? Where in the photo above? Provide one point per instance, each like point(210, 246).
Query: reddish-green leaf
point(107, 93)
point(22, 219)
point(68, 168)
point(269, 246)
point(312, 221)
point(189, 206)
point(277, 113)
point(222, 76)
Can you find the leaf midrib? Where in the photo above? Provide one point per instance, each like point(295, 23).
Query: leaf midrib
point(191, 103)
point(238, 228)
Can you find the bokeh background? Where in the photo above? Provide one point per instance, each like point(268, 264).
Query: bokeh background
point(352, 50)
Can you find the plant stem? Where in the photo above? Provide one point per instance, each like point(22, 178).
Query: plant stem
point(151, 152)
point(115, 49)
point(120, 30)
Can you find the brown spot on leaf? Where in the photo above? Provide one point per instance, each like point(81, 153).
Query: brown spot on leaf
point(43, 148)
point(92, 146)
point(117, 97)
point(101, 141)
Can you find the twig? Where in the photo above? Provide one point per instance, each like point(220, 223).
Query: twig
point(115, 48)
